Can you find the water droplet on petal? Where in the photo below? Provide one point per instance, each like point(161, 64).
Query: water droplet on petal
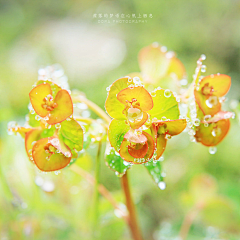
point(167, 93)
point(212, 150)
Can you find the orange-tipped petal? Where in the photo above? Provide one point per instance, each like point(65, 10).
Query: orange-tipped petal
point(153, 63)
point(131, 136)
point(213, 134)
point(64, 108)
point(138, 124)
point(31, 137)
point(161, 145)
point(219, 116)
point(151, 146)
point(141, 95)
point(49, 161)
point(220, 82)
point(113, 107)
point(54, 87)
point(37, 95)
point(138, 151)
point(173, 127)
point(209, 105)
point(124, 151)
point(177, 68)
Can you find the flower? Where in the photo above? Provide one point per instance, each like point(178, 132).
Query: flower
point(51, 102)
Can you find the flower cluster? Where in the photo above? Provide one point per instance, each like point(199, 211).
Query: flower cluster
point(142, 122)
point(52, 136)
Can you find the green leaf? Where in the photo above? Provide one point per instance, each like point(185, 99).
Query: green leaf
point(48, 132)
point(113, 106)
point(72, 134)
point(116, 163)
point(32, 120)
point(116, 132)
point(164, 106)
point(155, 170)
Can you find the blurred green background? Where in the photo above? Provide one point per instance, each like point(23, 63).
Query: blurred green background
point(39, 33)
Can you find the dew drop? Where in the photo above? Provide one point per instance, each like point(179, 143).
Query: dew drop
point(212, 150)
point(167, 93)
point(196, 122)
point(162, 185)
point(58, 126)
point(203, 57)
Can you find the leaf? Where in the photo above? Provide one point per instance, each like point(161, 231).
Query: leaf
point(164, 106)
point(32, 120)
point(72, 133)
point(116, 163)
point(155, 170)
point(221, 213)
point(116, 132)
point(48, 132)
point(64, 108)
point(37, 95)
point(177, 68)
point(213, 134)
point(50, 162)
point(113, 107)
point(153, 63)
point(141, 95)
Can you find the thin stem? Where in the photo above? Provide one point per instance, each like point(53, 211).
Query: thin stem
point(134, 227)
point(187, 222)
point(96, 185)
point(94, 107)
point(102, 190)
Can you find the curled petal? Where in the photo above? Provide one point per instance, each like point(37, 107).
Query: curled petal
point(214, 133)
point(161, 145)
point(139, 150)
point(131, 136)
point(64, 108)
point(138, 124)
point(37, 95)
point(31, 137)
point(141, 95)
point(49, 161)
point(220, 82)
point(209, 105)
point(173, 127)
point(219, 116)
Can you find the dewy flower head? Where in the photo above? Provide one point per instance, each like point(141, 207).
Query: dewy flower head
point(209, 89)
point(51, 102)
point(129, 102)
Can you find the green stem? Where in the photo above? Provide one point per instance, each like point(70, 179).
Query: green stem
point(133, 224)
point(132, 220)
point(96, 186)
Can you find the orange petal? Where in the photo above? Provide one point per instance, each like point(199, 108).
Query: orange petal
point(54, 87)
point(219, 116)
point(56, 161)
point(124, 151)
point(173, 127)
point(113, 107)
point(138, 124)
point(220, 82)
point(202, 103)
point(139, 151)
point(140, 94)
point(37, 95)
point(151, 146)
point(213, 134)
point(131, 136)
point(161, 145)
point(153, 63)
point(30, 138)
point(177, 67)
point(64, 108)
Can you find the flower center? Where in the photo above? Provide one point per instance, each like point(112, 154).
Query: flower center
point(134, 114)
point(207, 90)
point(49, 103)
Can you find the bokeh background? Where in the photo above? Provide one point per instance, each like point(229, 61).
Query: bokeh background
point(34, 34)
